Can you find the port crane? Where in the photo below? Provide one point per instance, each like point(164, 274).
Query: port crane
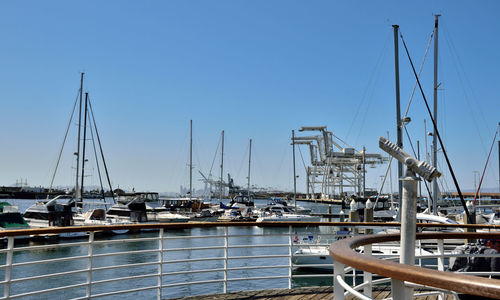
point(334, 170)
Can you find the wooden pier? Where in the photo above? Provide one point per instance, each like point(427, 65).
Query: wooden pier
point(305, 293)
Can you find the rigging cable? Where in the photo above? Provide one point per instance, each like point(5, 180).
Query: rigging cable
point(464, 82)
point(363, 97)
point(215, 156)
point(409, 104)
point(102, 153)
point(419, 71)
point(471, 221)
point(96, 159)
point(64, 142)
point(484, 171)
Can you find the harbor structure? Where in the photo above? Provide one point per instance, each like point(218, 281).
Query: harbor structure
point(335, 171)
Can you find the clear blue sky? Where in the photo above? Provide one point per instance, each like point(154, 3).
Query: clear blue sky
point(256, 69)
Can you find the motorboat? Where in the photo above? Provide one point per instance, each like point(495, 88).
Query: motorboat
point(57, 212)
point(318, 257)
point(98, 217)
point(239, 209)
point(11, 218)
point(280, 213)
point(243, 214)
point(168, 217)
point(129, 209)
point(205, 215)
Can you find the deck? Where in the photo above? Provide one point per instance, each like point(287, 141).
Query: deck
point(305, 293)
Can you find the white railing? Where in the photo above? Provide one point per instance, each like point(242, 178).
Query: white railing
point(163, 263)
point(175, 260)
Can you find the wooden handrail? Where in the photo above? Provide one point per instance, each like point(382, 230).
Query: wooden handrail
point(342, 251)
point(56, 230)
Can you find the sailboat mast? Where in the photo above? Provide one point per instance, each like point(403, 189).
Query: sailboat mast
point(83, 148)
point(191, 160)
point(77, 190)
point(249, 160)
point(221, 167)
point(499, 160)
point(434, 137)
point(294, 176)
point(398, 117)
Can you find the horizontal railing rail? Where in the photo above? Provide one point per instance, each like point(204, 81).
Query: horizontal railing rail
point(342, 251)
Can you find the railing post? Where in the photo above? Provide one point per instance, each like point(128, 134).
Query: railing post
point(226, 244)
point(160, 263)
point(290, 256)
point(367, 277)
point(89, 264)
point(440, 249)
point(8, 264)
point(398, 289)
point(338, 290)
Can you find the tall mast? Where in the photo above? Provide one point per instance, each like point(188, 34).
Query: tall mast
point(84, 142)
point(222, 167)
point(398, 116)
point(499, 159)
point(434, 137)
point(77, 189)
point(191, 160)
point(294, 176)
point(364, 171)
point(249, 161)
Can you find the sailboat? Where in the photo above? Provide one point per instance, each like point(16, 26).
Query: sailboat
point(60, 211)
point(187, 208)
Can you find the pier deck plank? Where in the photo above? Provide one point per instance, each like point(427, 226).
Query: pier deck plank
point(306, 293)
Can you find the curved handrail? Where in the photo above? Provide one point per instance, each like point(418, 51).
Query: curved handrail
point(56, 230)
point(342, 251)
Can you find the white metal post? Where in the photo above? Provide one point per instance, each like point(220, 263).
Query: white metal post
point(226, 243)
point(290, 256)
point(8, 266)
point(367, 277)
point(338, 290)
point(440, 249)
point(398, 289)
point(408, 225)
point(160, 263)
point(89, 264)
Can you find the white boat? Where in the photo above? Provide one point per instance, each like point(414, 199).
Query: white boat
point(318, 257)
point(168, 217)
point(98, 217)
point(57, 212)
point(206, 215)
point(129, 209)
point(281, 213)
point(427, 218)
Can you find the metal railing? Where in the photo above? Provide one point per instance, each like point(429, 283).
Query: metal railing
point(403, 277)
point(163, 260)
point(158, 259)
